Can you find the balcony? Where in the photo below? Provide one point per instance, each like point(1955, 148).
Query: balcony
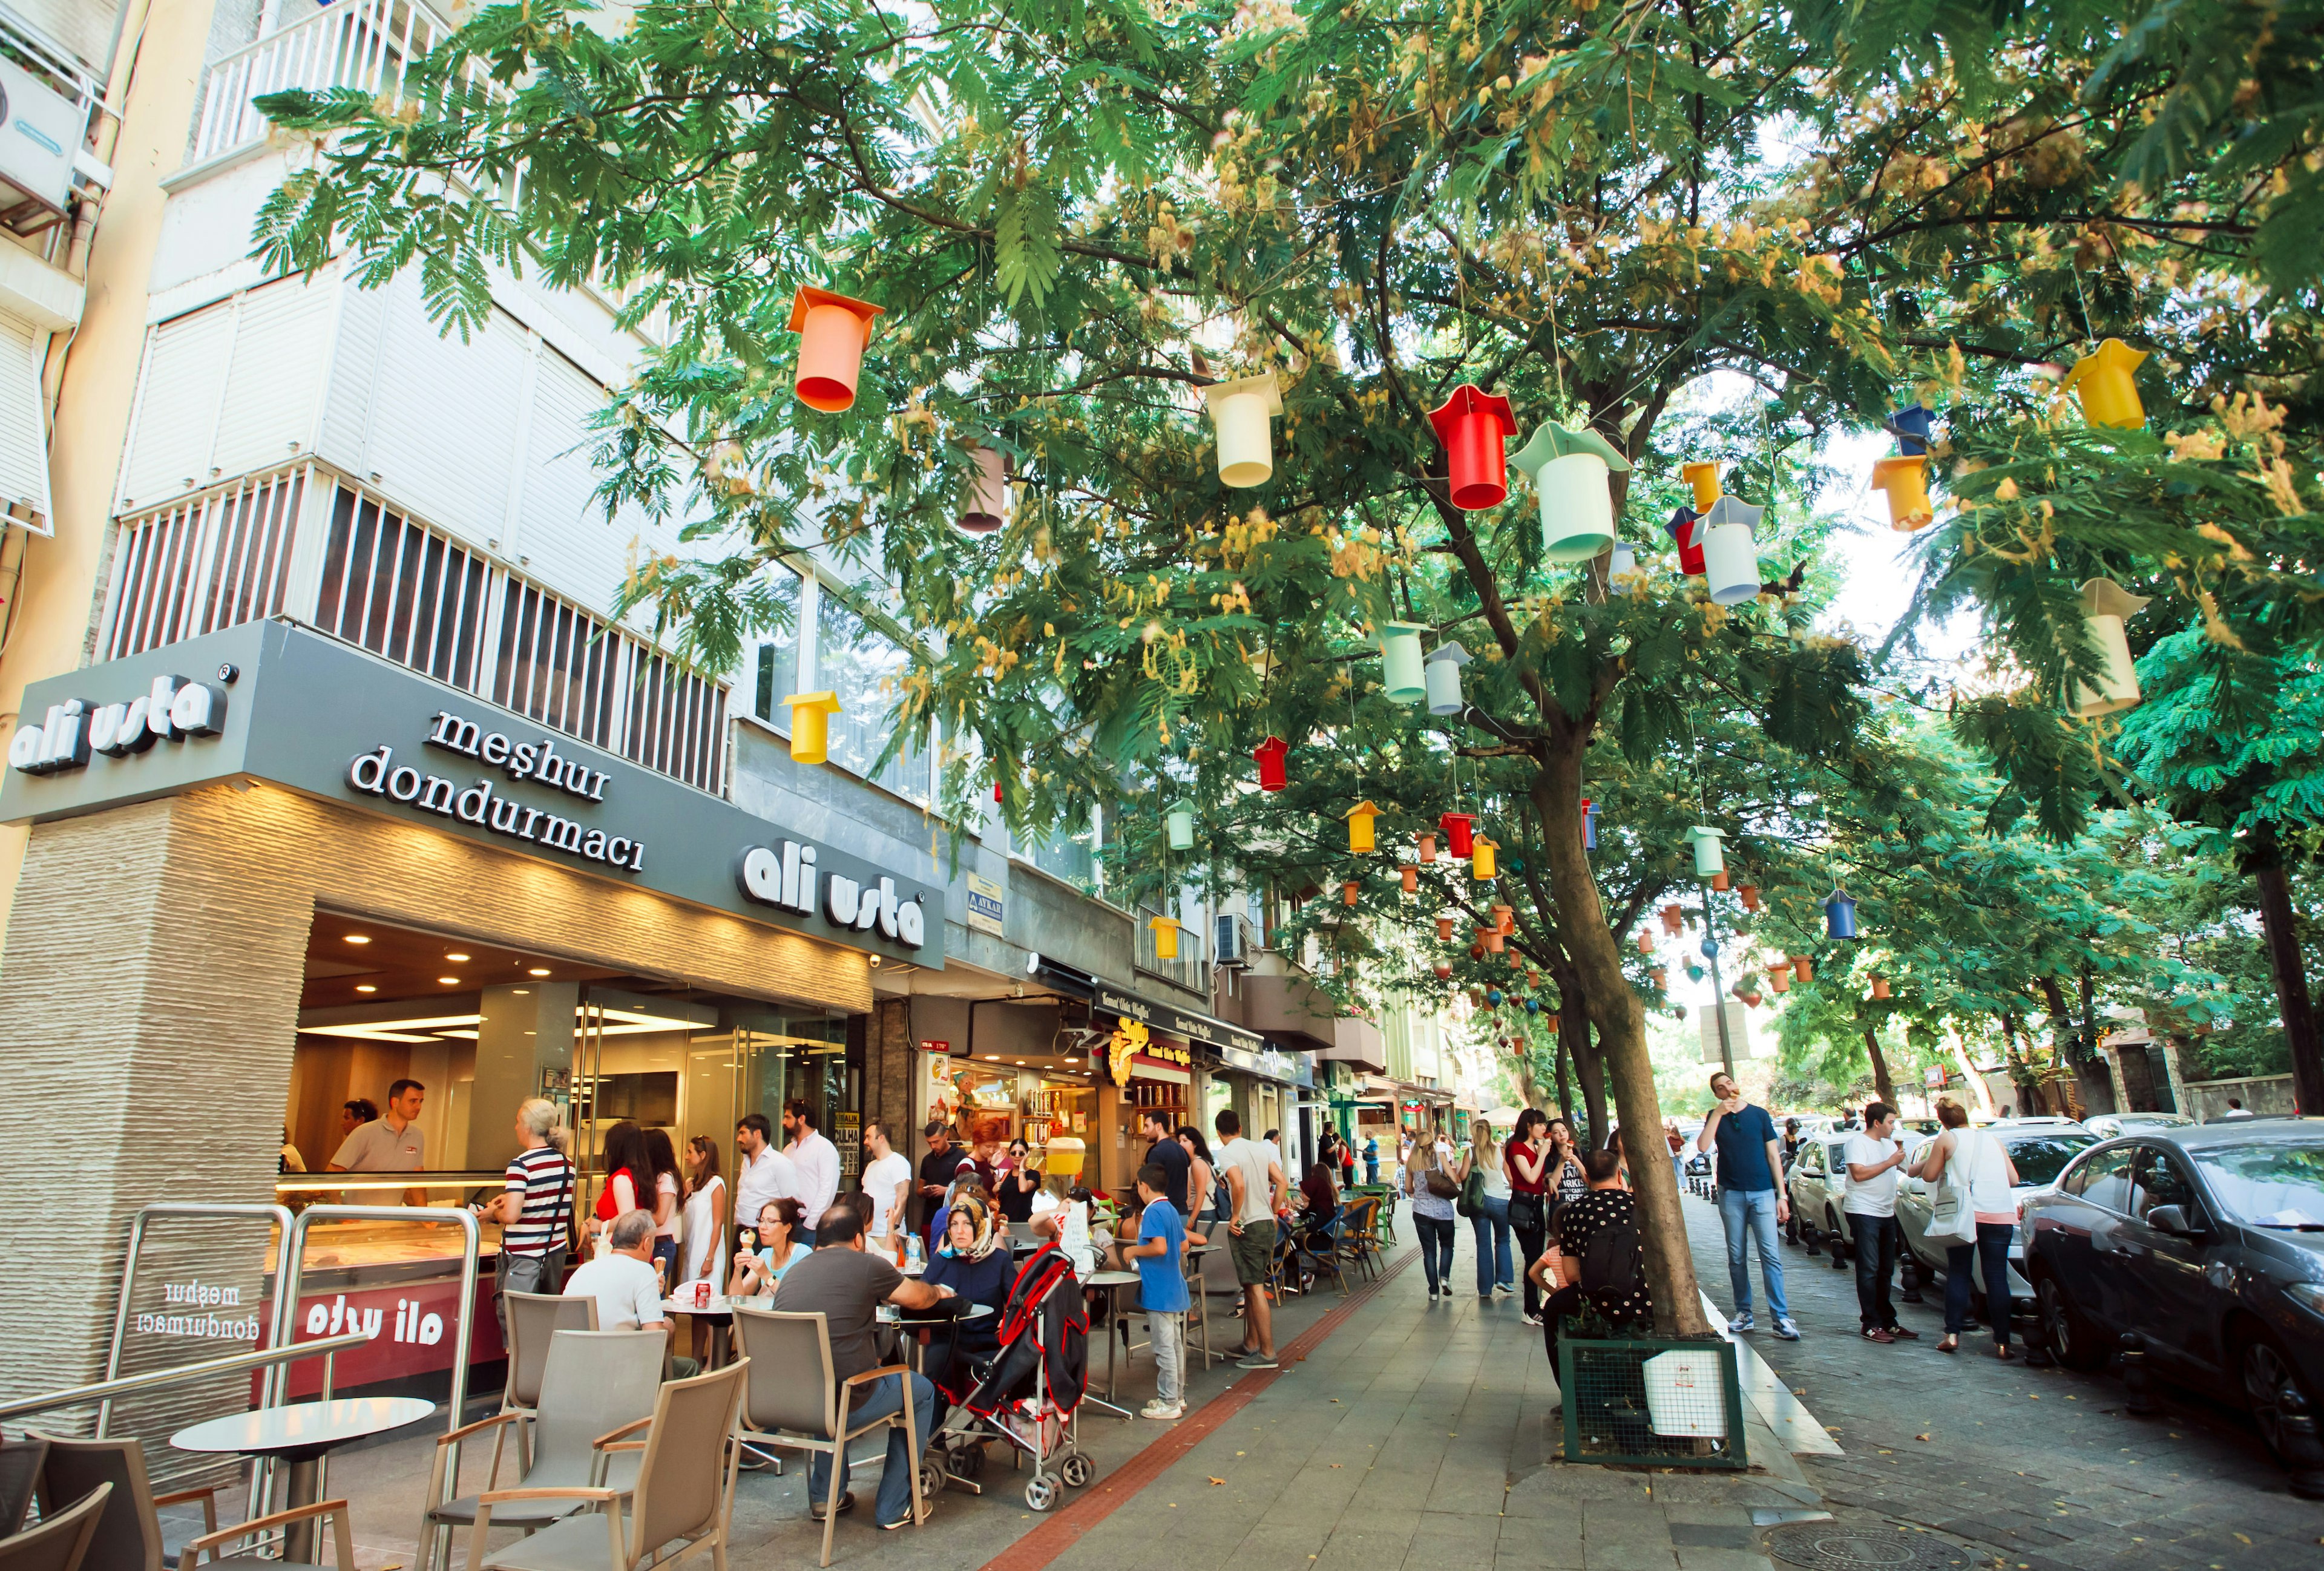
point(1187, 969)
point(368, 45)
point(1281, 1000)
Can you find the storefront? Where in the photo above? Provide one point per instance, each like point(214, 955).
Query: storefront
point(1193, 1066)
point(269, 875)
point(1047, 1100)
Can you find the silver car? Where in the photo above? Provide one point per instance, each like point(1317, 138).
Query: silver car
point(1817, 1185)
point(2039, 1149)
point(2109, 1125)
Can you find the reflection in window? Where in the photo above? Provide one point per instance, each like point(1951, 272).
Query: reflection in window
point(865, 668)
point(775, 661)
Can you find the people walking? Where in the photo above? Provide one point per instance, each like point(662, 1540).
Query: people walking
point(1371, 1160)
point(1525, 1159)
point(1876, 1160)
point(1255, 1190)
point(1495, 1270)
point(1980, 1164)
point(1751, 1202)
point(1433, 1175)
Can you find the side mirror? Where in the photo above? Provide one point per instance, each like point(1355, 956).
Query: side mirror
point(2172, 1220)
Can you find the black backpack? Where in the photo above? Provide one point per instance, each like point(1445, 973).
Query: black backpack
point(1609, 1260)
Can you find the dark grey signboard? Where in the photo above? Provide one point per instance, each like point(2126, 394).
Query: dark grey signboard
point(281, 703)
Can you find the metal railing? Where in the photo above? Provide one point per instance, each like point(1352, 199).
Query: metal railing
point(356, 44)
point(103, 1391)
point(1186, 969)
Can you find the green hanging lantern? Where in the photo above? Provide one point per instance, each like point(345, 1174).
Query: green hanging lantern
point(1708, 860)
point(1572, 476)
point(1400, 662)
point(1180, 822)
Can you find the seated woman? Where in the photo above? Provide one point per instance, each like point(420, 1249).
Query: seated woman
point(757, 1272)
point(1317, 1225)
point(975, 1265)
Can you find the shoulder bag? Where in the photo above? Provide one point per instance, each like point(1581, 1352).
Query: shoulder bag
point(1472, 1190)
point(1440, 1182)
point(1952, 1218)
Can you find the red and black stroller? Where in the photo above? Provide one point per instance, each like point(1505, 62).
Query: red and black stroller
point(1032, 1389)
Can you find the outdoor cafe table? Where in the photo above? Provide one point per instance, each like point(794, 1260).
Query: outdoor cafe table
point(719, 1311)
point(299, 1434)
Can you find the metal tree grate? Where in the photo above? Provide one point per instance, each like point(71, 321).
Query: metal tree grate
point(1657, 1403)
point(1835, 1547)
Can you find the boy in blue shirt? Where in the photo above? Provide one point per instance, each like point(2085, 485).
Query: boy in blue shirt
point(1160, 1254)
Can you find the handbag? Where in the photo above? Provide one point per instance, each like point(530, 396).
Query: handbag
point(1440, 1182)
point(1952, 1220)
point(1526, 1212)
point(1472, 1194)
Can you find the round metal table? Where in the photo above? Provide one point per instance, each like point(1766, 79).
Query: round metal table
point(1111, 1284)
point(299, 1434)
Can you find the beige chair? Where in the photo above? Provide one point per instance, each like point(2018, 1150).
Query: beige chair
point(20, 1474)
point(683, 1494)
point(129, 1537)
point(799, 1402)
point(595, 1384)
point(61, 1541)
point(532, 1318)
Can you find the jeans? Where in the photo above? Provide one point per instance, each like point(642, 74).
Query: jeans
point(1371, 1172)
point(883, 1396)
point(1436, 1237)
point(1168, 1333)
point(1878, 1239)
point(1993, 1243)
point(1531, 1241)
point(1565, 1301)
point(1753, 1209)
point(1494, 1267)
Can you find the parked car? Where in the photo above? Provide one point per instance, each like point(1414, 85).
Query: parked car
point(1816, 1183)
point(2107, 1125)
point(2207, 1240)
point(2039, 1149)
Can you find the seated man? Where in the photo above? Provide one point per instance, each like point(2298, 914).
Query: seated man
point(847, 1285)
point(1615, 1283)
point(628, 1292)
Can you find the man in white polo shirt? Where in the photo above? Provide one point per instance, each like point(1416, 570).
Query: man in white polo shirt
point(1874, 1158)
point(817, 1162)
point(391, 1143)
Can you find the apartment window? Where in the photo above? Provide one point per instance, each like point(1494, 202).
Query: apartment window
point(203, 564)
point(774, 663)
point(865, 668)
point(401, 591)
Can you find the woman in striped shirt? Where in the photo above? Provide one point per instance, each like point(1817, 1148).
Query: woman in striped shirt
point(533, 1210)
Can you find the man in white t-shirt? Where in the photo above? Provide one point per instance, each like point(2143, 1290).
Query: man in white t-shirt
point(629, 1295)
point(887, 1180)
point(762, 1173)
point(391, 1143)
point(817, 1162)
point(1255, 1189)
point(1875, 1161)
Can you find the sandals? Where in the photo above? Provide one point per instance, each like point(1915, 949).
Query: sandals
point(2004, 1353)
point(1949, 1344)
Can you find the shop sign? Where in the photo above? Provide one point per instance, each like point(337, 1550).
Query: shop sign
point(985, 903)
point(1272, 1063)
point(69, 731)
point(787, 879)
point(1200, 1028)
point(411, 1327)
point(1934, 1076)
point(376, 774)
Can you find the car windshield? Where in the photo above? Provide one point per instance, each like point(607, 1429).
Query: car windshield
point(2271, 1186)
point(2041, 1157)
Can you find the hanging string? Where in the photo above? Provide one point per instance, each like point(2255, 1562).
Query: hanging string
point(1557, 361)
point(2089, 322)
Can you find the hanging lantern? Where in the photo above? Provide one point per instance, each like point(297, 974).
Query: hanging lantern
point(1428, 848)
point(1910, 427)
point(1460, 832)
point(1359, 826)
point(1515, 959)
point(1693, 972)
point(1673, 918)
point(1839, 915)
point(1572, 476)
point(1683, 528)
point(1779, 979)
point(1443, 969)
point(1749, 895)
point(1719, 879)
point(1480, 859)
point(1661, 974)
point(1505, 918)
point(1239, 412)
point(833, 331)
point(1443, 929)
point(1180, 823)
point(1477, 950)
point(1880, 988)
point(986, 507)
point(810, 726)
point(1494, 942)
point(1492, 998)
point(1552, 1023)
point(1803, 967)
point(2105, 604)
point(1533, 975)
point(1730, 561)
point(1906, 482)
point(1441, 677)
point(1165, 938)
point(1411, 876)
point(2102, 380)
point(1532, 1006)
point(1709, 859)
point(1646, 942)
point(996, 790)
point(1270, 754)
point(1350, 891)
point(1625, 559)
point(1704, 478)
point(1473, 424)
point(1400, 674)
point(1589, 824)
point(1751, 999)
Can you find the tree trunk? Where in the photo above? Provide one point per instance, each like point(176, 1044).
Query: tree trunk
point(1565, 1087)
point(2077, 1049)
point(1879, 1066)
point(2290, 981)
point(1589, 1068)
point(1621, 1045)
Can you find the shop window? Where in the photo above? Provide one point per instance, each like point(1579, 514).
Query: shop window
point(774, 662)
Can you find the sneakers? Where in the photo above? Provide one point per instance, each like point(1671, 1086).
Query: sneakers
point(1743, 1322)
point(1166, 1411)
point(927, 1509)
point(1533, 1319)
point(1240, 1351)
point(846, 1504)
point(1789, 1330)
point(1258, 1361)
point(1878, 1334)
point(1904, 1334)
point(1508, 1287)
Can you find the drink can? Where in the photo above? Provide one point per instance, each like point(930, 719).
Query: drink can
point(702, 1294)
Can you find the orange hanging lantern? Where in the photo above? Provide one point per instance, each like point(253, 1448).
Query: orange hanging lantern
point(1880, 987)
point(1553, 1025)
point(1803, 967)
point(1646, 942)
point(1719, 879)
point(1779, 979)
point(1411, 876)
point(1749, 895)
point(1673, 918)
point(1661, 974)
point(1445, 929)
point(1494, 943)
point(1428, 848)
point(1505, 918)
point(1350, 890)
point(833, 331)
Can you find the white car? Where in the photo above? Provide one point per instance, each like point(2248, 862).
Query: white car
point(1817, 1185)
point(2108, 1125)
point(2039, 1149)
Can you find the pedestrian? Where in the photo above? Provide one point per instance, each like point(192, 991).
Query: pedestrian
point(762, 1173)
point(1371, 1160)
point(1567, 1180)
point(1255, 1190)
point(817, 1160)
point(1433, 1176)
point(1346, 1149)
point(1495, 1270)
point(534, 1210)
point(938, 1167)
point(1163, 1150)
point(662, 1158)
point(1677, 1144)
point(354, 1114)
point(1751, 1202)
point(1611, 1279)
point(1161, 1253)
point(702, 1235)
point(1204, 1189)
point(1874, 1160)
point(2236, 1109)
point(1526, 1159)
point(628, 1178)
point(1980, 1163)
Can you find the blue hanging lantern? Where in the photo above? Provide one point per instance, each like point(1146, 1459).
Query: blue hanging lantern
point(1589, 824)
point(1532, 1006)
point(1710, 949)
point(1840, 914)
point(1492, 998)
point(1910, 427)
point(1693, 972)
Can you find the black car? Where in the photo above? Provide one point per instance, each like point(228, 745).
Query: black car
point(2207, 1240)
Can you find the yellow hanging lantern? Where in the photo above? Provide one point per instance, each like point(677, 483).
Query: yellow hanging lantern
point(810, 725)
point(1905, 480)
point(1165, 938)
point(2102, 380)
point(1704, 478)
point(1238, 411)
point(1481, 860)
point(1359, 826)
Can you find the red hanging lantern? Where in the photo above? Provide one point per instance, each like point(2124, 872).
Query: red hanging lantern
point(996, 790)
point(1477, 950)
point(1685, 527)
point(1674, 918)
point(1473, 425)
point(1459, 831)
point(1749, 895)
point(1751, 1000)
point(1443, 969)
point(1411, 876)
point(1445, 929)
point(1270, 754)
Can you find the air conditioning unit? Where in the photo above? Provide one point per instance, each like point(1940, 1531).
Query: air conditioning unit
point(1234, 941)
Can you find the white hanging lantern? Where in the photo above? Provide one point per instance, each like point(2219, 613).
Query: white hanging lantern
point(986, 507)
point(1572, 472)
point(2105, 604)
point(1626, 560)
point(1442, 675)
point(1730, 561)
point(1239, 411)
point(1710, 860)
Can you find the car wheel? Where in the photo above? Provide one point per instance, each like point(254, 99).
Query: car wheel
point(2072, 1339)
point(2267, 1375)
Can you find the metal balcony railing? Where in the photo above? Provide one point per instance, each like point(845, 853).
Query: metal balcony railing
point(1187, 969)
point(355, 43)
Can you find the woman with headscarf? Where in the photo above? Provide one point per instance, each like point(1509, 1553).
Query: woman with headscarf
point(974, 1262)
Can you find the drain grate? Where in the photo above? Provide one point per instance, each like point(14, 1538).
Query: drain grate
point(1835, 1547)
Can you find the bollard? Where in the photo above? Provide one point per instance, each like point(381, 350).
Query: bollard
point(2034, 1332)
point(1807, 1233)
point(2298, 1445)
point(2137, 1384)
point(1908, 1279)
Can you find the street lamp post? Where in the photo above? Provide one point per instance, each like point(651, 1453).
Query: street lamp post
point(1718, 986)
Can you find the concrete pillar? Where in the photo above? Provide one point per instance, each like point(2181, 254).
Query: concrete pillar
point(522, 1032)
point(889, 1059)
point(2114, 1072)
point(2179, 1102)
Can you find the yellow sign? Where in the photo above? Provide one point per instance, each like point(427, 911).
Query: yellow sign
point(1129, 1039)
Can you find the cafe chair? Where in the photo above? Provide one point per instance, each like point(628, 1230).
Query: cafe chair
point(683, 1494)
point(798, 1402)
point(129, 1535)
point(594, 1384)
point(532, 1319)
point(20, 1475)
point(61, 1541)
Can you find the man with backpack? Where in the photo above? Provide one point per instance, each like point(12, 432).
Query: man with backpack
point(1595, 1257)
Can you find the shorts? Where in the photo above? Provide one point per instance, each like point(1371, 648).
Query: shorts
point(1253, 1252)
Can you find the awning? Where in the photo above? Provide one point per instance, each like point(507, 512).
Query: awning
point(1208, 1029)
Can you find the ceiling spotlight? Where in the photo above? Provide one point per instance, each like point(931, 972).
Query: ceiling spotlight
point(358, 937)
point(455, 959)
point(1073, 1060)
point(449, 980)
point(1020, 1063)
point(538, 971)
point(365, 987)
point(522, 992)
point(993, 1057)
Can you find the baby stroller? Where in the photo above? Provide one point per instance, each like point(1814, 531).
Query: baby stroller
point(1031, 1392)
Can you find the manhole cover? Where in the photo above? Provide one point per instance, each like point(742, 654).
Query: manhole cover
point(1838, 1548)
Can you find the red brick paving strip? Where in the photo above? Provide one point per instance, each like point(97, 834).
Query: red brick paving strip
point(1062, 1529)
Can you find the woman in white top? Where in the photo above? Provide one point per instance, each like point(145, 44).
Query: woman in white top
point(703, 1227)
point(663, 1157)
point(1495, 1268)
point(1974, 1158)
